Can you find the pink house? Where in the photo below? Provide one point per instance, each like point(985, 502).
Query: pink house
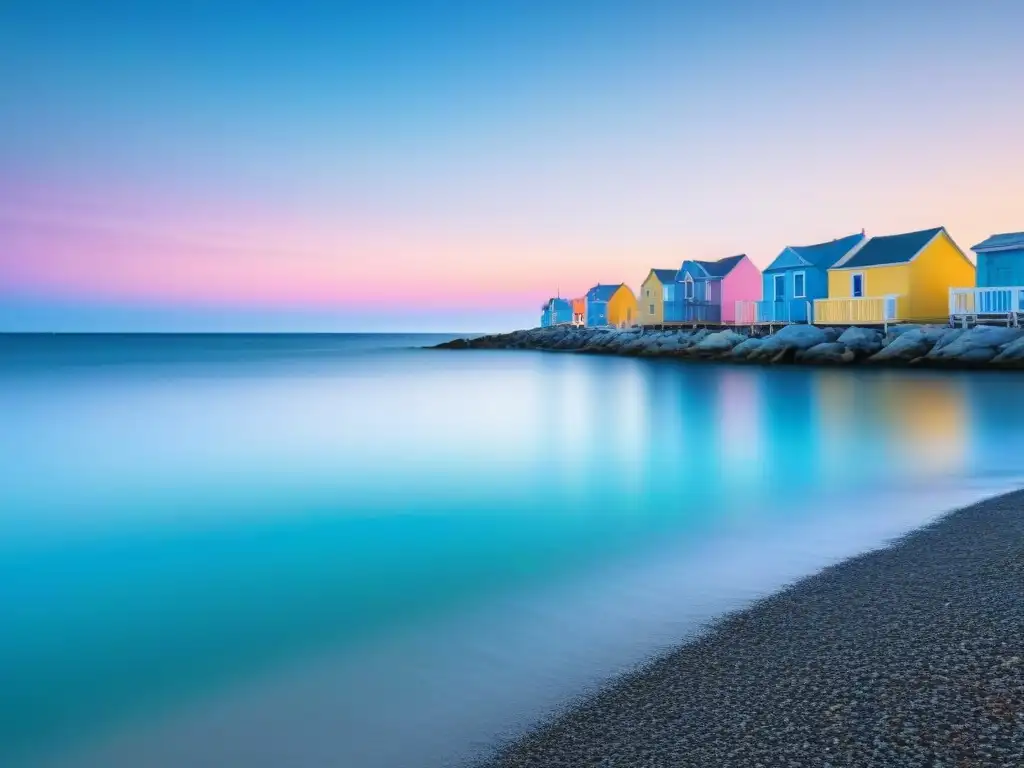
point(707, 291)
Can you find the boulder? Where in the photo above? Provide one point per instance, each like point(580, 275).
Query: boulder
point(745, 349)
point(895, 331)
point(722, 341)
point(948, 337)
point(673, 342)
point(795, 337)
point(694, 338)
point(832, 352)
point(618, 341)
point(635, 346)
point(976, 345)
point(571, 341)
point(861, 341)
point(909, 345)
point(1011, 355)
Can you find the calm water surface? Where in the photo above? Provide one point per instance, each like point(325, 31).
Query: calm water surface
point(342, 550)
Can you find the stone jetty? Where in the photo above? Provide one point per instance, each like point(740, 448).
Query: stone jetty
point(907, 656)
point(982, 346)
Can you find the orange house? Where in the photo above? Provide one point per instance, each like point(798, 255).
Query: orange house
point(579, 311)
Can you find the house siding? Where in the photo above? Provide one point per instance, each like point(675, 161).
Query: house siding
point(701, 307)
point(792, 309)
point(743, 283)
point(579, 311)
point(1001, 269)
point(879, 282)
point(651, 294)
point(622, 308)
point(939, 267)
point(597, 313)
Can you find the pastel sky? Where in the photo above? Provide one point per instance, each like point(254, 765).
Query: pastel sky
point(433, 165)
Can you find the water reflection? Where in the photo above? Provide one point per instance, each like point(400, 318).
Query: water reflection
point(177, 533)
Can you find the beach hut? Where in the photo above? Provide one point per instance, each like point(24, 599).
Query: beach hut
point(1001, 260)
point(1000, 288)
point(622, 308)
point(655, 291)
point(556, 311)
point(613, 305)
point(579, 311)
point(895, 278)
point(708, 291)
point(798, 276)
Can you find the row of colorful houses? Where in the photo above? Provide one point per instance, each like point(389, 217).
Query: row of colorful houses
point(919, 276)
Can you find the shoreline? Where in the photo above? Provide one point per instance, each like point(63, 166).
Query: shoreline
point(983, 347)
point(906, 655)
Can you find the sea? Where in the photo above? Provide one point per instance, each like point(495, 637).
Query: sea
point(350, 550)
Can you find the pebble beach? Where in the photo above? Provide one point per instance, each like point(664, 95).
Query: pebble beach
point(912, 655)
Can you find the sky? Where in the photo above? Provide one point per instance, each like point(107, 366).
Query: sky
point(448, 166)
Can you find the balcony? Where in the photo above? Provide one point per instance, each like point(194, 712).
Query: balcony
point(692, 311)
point(1003, 301)
point(764, 312)
point(865, 310)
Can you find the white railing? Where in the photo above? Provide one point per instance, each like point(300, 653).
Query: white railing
point(864, 310)
point(1005, 300)
point(781, 311)
point(746, 312)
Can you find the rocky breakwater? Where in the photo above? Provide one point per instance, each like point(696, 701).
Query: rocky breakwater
point(904, 345)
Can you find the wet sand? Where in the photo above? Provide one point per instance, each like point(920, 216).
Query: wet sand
point(908, 656)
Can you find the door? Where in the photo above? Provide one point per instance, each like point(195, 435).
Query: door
point(780, 287)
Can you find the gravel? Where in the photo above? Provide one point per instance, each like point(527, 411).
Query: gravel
point(908, 656)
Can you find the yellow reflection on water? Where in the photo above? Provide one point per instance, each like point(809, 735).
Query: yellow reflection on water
point(920, 421)
point(928, 418)
point(835, 407)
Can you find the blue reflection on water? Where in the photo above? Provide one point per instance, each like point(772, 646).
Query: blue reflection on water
point(390, 552)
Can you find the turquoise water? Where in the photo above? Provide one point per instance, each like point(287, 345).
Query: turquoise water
point(343, 550)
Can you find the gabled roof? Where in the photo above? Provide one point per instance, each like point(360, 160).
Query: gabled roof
point(664, 275)
point(820, 255)
point(715, 269)
point(602, 292)
point(1005, 242)
point(889, 249)
point(693, 269)
point(722, 267)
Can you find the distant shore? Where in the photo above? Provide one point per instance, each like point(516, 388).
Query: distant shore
point(910, 655)
point(984, 346)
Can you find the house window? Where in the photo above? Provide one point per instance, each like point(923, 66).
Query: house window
point(651, 309)
point(779, 284)
point(667, 292)
point(688, 287)
point(799, 285)
point(857, 285)
point(647, 292)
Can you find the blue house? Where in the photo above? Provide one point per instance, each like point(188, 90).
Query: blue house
point(707, 291)
point(1000, 266)
point(1001, 261)
point(798, 276)
point(556, 312)
point(597, 304)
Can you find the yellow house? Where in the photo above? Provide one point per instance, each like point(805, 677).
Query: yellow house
point(622, 308)
point(654, 292)
point(895, 278)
